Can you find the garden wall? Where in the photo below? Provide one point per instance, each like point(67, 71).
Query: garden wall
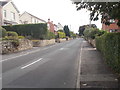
point(11, 47)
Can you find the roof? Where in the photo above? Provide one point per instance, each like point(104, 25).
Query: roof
point(15, 7)
point(2, 3)
point(34, 16)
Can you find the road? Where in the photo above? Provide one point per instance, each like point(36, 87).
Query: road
point(54, 66)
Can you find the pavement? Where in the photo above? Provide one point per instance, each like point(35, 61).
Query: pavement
point(94, 72)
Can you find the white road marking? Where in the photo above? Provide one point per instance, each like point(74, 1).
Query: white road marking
point(61, 49)
point(31, 63)
point(79, 67)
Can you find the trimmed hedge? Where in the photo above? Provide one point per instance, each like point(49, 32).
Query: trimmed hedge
point(2, 32)
point(109, 45)
point(33, 31)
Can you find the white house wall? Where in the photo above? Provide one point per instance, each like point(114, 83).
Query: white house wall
point(25, 17)
point(10, 8)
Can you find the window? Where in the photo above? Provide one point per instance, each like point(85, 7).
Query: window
point(32, 20)
point(12, 16)
point(4, 13)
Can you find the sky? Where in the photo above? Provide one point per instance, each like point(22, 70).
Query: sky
point(59, 11)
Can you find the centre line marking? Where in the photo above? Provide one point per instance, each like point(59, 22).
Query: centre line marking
point(31, 63)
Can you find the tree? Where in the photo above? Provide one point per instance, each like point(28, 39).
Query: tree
point(66, 30)
point(108, 10)
point(81, 30)
point(72, 34)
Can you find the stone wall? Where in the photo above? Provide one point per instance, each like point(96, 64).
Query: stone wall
point(62, 40)
point(92, 42)
point(40, 43)
point(10, 47)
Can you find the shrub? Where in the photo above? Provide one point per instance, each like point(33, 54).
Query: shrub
point(93, 32)
point(2, 32)
point(12, 35)
point(61, 35)
point(35, 31)
point(50, 35)
point(21, 37)
point(109, 45)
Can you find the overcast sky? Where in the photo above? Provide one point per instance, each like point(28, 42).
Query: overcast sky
point(62, 11)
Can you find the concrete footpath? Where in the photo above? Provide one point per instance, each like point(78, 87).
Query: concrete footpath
point(94, 72)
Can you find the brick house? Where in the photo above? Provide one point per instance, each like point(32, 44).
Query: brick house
point(113, 27)
point(51, 26)
point(9, 14)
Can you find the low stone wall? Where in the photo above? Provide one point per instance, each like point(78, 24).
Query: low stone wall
point(62, 40)
point(10, 47)
point(40, 43)
point(92, 42)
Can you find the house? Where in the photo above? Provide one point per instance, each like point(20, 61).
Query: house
point(27, 18)
point(59, 27)
point(51, 26)
point(9, 14)
point(113, 27)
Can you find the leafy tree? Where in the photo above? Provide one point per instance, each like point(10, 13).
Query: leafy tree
point(72, 34)
point(66, 30)
point(108, 10)
point(81, 30)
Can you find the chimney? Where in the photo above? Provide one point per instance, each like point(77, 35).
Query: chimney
point(52, 22)
point(48, 20)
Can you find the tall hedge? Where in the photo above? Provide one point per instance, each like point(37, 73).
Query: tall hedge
point(35, 31)
point(109, 45)
point(2, 32)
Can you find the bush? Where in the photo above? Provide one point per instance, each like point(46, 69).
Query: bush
point(50, 35)
point(34, 31)
point(109, 45)
point(61, 35)
point(93, 32)
point(21, 37)
point(12, 35)
point(2, 32)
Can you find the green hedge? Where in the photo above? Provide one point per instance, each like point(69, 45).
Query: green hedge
point(109, 45)
point(3, 32)
point(33, 31)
